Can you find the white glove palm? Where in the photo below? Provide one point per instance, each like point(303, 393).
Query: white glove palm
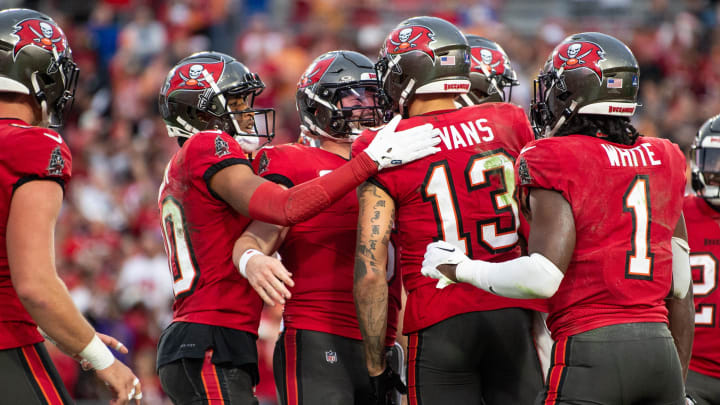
point(438, 253)
point(393, 148)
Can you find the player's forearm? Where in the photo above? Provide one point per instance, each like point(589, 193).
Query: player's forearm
point(271, 203)
point(49, 304)
point(371, 300)
point(375, 218)
point(681, 316)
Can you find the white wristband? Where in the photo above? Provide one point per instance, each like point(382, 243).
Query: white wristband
point(97, 354)
point(242, 263)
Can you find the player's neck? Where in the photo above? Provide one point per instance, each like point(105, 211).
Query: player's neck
point(20, 107)
point(426, 103)
point(341, 149)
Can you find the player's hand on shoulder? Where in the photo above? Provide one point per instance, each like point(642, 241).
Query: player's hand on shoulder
point(393, 148)
point(269, 278)
point(437, 255)
point(123, 384)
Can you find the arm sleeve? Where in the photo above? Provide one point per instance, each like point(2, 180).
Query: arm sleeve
point(271, 203)
point(531, 276)
point(39, 154)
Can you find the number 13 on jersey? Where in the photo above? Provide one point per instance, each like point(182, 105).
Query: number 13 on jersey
point(439, 189)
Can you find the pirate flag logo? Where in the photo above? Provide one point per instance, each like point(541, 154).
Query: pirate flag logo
point(42, 34)
point(408, 39)
point(579, 55)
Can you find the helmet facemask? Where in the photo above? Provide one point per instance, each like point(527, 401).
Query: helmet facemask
point(706, 171)
point(55, 102)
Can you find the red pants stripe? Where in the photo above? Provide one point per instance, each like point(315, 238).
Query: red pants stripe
point(293, 396)
point(210, 381)
point(42, 378)
point(557, 370)
point(413, 340)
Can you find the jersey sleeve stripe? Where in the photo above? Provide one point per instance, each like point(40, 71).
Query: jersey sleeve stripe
point(212, 170)
point(32, 177)
point(279, 179)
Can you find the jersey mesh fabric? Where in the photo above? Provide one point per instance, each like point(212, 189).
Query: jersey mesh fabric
point(26, 153)
point(621, 198)
point(703, 227)
point(462, 194)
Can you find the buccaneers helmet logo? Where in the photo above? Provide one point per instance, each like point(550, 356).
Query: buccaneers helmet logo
point(43, 34)
point(492, 60)
point(578, 55)
point(315, 72)
point(408, 39)
point(190, 76)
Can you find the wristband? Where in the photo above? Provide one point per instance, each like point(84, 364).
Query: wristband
point(97, 354)
point(242, 263)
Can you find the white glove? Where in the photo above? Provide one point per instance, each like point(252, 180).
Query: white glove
point(391, 148)
point(438, 253)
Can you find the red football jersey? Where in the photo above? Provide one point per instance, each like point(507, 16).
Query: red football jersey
point(27, 153)
point(626, 201)
point(320, 252)
point(703, 226)
point(199, 231)
point(463, 195)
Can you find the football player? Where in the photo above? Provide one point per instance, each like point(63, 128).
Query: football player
point(702, 216)
point(319, 356)
point(491, 75)
point(208, 196)
point(464, 347)
point(37, 86)
point(607, 238)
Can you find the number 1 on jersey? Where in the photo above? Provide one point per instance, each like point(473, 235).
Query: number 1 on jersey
point(639, 260)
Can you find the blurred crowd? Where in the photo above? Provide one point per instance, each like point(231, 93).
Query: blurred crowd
point(110, 250)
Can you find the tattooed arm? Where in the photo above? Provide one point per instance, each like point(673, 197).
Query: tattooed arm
point(377, 213)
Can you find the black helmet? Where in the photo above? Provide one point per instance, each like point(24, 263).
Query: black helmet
point(330, 79)
point(588, 73)
point(194, 98)
point(705, 161)
point(423, 55)
point(490, 73)
point(35, 59)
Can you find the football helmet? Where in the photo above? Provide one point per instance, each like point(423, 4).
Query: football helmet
point(35, 59)
point(491, 76)
point(196, 93)
point(423, 55)
point(337, 96)
point(587, 73)
point(705, 161)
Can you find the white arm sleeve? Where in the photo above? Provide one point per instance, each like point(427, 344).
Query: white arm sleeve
point(680, 267)
point(531, 276)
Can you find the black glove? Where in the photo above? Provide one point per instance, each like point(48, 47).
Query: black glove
point(383, 385)
point(689, 400)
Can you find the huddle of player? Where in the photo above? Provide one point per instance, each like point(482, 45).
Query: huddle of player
point(494, 227)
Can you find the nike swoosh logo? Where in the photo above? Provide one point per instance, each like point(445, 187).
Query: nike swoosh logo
point(447, 250)
point(55, 138)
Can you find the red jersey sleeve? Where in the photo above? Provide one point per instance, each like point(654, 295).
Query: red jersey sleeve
point(274, 164)
point(38, 153)
point(211, 151)
point(539, 166)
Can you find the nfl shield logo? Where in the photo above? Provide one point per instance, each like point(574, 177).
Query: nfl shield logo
point(331, 356)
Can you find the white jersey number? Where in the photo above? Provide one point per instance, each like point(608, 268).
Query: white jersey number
point(440, 190)
point(639, 260)
point(708, 264)
point(183, 265)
